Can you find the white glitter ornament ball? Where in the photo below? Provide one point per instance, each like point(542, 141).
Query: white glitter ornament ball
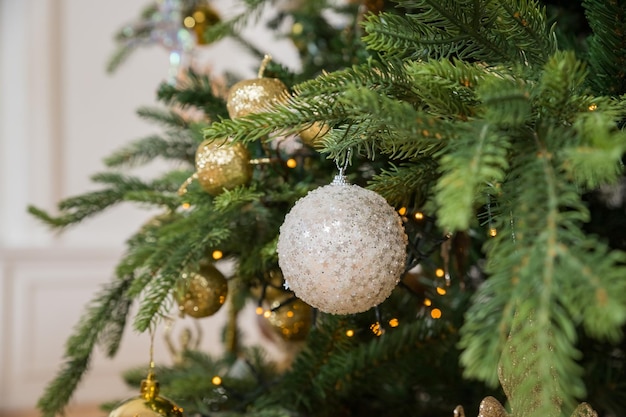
point(342, 248)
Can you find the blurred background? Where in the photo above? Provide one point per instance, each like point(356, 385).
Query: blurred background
point(60, 114)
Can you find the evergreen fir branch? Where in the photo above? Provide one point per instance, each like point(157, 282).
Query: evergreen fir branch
point(75, 209)
point(166, 117)
point(196, 90)
point(479, 157)
point(494, 32)
point(232, 200)
point(559, 91)
point(249, 15)
point(607, 46)
point(119, 56)
point(597, 157)
point(177, 146)
point(81, 344)
point(505, 102)
point(446, 86)
point(545, 269)
point(153, 198)
point(540, 361)
point(596, 291)
point(388, 76)
point(524, 24)
point(398, 130)
point(324, 340)
point(189, 248)
point(394, 182)
point(345, 373)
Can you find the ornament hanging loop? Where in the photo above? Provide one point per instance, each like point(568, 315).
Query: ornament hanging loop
point(340, 178)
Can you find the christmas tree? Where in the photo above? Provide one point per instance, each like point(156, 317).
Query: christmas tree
point(431, 210)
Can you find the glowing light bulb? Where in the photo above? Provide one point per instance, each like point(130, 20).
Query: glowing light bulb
point(350, 333)
point(402, 211)
point(189, 22)
point(376, 329)
point(216, 380)
point(435, 313)
point(394, 322)
point(292, 163)
point(439, 273)
point(217, 254)
point(259, 311)
point(441, 291)
point(267, 314)
point(419, 215)
point(493, 232)
point(186, 206)
point(593, 107)
point(427, 302)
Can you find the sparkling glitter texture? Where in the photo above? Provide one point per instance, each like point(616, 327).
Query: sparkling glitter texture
point(222, 165)
point(342, 248)
point(201, 293)
point(253, 96)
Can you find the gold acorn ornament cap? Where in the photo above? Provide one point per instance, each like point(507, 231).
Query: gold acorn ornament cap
point(148, 403)
point(255, 95)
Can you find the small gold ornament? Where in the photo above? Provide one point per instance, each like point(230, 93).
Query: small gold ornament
point(273, 281)
point(255, 95)
point(290, 321)
point(219, 166)
point(148, 403)
point(201, 293)
point(198, 19)
point(314, 133)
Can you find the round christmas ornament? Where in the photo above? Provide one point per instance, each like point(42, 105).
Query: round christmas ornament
point(148, 403)
point(222, 165)
point(198, 19)
point(342, 248)
point(255, 95)
point(314, 133)
point(201, 293)
point(291, 321)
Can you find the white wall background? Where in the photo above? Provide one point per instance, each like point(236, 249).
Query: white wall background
point(60, 114)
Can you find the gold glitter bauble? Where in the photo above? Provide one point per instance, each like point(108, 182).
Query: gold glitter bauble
point(148, 403)
point(199, 19)
point(274, 287)
point(314, 133)
point(291, 321)
point(201, 293)
point(221, 165)
point(254, 96)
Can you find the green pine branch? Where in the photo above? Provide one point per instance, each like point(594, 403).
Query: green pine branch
point(196, 91)
point(477, 158)
point(475, 30)
point(607, 46)
point(102, 322)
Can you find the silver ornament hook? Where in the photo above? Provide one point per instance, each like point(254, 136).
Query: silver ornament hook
point(340, 178)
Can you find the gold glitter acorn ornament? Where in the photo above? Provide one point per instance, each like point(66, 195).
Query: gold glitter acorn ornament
point(220, 165)
point(201, 293)
point(148, 403)
point(342, 248)
point(255, 95)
